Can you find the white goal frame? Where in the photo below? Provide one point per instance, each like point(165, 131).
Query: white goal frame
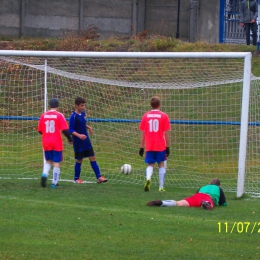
point(170, 55)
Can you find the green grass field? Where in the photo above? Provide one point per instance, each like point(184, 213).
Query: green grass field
point(112, 221)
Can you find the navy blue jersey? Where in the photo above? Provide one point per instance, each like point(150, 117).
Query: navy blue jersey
point(78, 124)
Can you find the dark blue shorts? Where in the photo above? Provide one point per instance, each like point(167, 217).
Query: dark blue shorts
point(55, 156)
point(84, 154)
point(152, 157)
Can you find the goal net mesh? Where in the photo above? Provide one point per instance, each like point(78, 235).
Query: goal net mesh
point(201, 96)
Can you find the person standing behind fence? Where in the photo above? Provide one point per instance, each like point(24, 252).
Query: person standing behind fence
point(248, 17)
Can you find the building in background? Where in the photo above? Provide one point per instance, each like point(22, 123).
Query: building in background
point(199, 20)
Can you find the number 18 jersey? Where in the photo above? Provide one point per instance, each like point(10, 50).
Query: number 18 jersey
point(50, 125)
point(154, 123)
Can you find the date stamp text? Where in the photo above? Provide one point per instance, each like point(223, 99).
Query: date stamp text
point(239, 227)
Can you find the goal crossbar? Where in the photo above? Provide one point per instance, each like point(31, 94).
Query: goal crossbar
point(128, 55)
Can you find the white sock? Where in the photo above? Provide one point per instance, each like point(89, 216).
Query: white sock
point(149, 172)
point(46, 169)
point(161, 177)
point(168, 203)
point(56, 175)
point(165, 164)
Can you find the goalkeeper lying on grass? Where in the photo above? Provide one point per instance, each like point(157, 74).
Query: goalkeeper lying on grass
point(207, 197)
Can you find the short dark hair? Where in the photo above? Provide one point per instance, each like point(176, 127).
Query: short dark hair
point(54, 103)
point(215, 181)
point(155, 102)
point(80, 100)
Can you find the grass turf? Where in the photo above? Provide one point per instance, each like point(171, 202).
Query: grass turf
point(112, 221)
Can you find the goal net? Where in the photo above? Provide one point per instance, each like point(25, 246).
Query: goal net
point(206, 96)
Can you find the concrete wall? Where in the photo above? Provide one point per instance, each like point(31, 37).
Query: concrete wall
point(111, 17)
point(209, 21)
point(53, 18)
point(50, 18)
point(161, 17)
point(10, 18)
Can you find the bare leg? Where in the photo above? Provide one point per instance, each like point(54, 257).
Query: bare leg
point(171, 203)
point(182, 203)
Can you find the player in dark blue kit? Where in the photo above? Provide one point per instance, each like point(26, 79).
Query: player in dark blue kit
point(81, 141)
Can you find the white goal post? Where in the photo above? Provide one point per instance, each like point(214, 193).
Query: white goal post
point(207, 97)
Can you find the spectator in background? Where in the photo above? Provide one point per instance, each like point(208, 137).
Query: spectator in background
point(248, 18)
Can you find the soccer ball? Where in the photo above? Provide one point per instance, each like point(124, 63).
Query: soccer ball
point(126, 169)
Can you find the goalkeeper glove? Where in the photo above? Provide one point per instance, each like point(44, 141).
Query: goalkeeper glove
point(167, 151)
point(141, 152)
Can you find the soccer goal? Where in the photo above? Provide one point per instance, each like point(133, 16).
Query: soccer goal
point(214, 114)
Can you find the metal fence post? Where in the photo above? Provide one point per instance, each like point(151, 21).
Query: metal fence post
point(81, 15)
point(193, 23)
point(22, 14)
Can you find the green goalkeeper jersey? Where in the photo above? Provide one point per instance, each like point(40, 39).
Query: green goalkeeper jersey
point(215, 192)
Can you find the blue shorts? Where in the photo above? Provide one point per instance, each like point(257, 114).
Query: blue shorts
point(84, 154)
point(53, 156)
point(152, 157)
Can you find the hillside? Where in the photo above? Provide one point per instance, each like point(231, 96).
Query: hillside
point(89, 41)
